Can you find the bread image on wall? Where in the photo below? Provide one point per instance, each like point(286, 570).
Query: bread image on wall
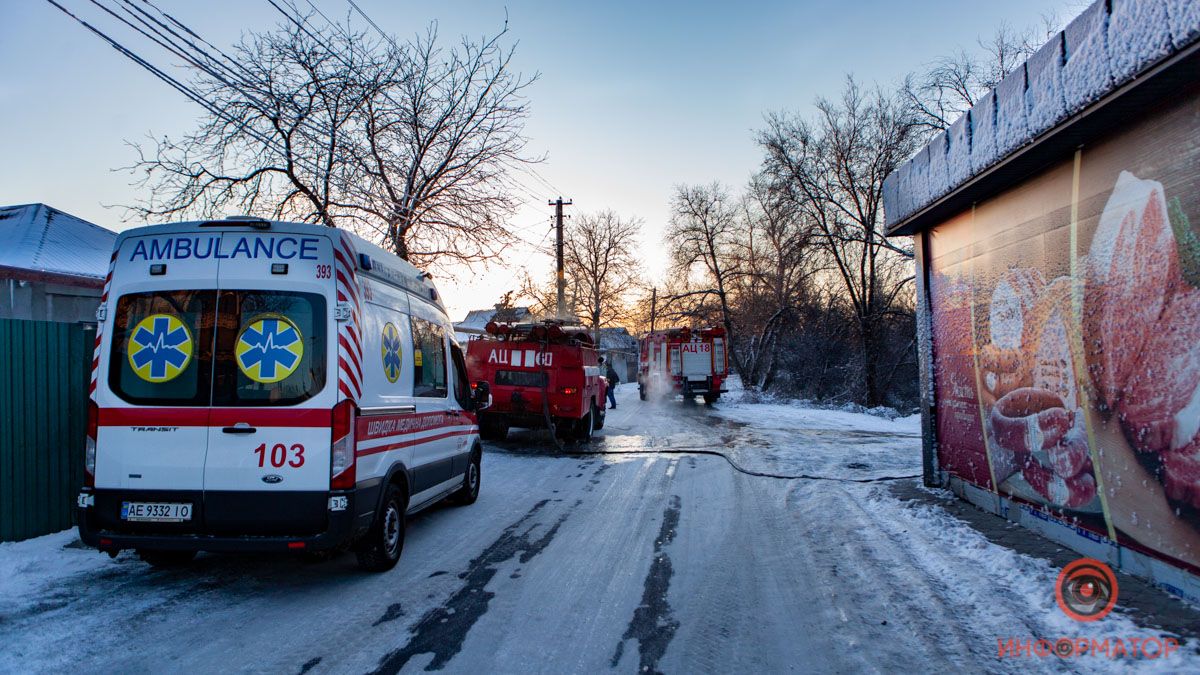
point(1037, 428)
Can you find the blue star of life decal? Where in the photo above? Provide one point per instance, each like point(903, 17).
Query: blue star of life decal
point(269, 349)
point(391, 352)
point(160, 348)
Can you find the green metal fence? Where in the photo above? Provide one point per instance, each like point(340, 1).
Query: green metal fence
point(44, 374)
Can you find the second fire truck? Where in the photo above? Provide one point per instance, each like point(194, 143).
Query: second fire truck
point(691, 362)
point(543, 374)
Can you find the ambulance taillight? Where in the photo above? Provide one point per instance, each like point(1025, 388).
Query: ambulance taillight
point(341, 460)
point(89, 448)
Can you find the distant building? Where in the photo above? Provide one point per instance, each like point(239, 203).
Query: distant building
point(52, 264)
point(477, 320)
point(621, 349)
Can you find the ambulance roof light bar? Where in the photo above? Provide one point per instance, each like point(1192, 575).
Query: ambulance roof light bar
point(249, 221)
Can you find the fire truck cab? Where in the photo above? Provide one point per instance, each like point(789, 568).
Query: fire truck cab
point(691, 362)
point(543, 374)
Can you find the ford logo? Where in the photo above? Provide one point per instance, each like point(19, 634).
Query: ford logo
point(272, 478)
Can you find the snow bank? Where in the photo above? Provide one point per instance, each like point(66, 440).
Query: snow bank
point(988, 576)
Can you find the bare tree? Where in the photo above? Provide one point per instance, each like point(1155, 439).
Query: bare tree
point(952, 85)
point(700, 238)
point(832, 168)
point(276, 140)
point(436, 149)
point(778, 259)
point(409, 141)
point(600, 259)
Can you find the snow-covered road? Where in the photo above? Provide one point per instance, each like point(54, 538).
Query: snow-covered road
point(639, 561)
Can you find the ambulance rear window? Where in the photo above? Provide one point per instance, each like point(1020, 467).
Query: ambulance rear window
point(271, 348)
point(162, 347)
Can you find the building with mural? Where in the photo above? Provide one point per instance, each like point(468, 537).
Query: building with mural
point(1058, 255)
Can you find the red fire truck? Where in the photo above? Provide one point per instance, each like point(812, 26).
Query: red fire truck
point(541, 374)
point(684, 361)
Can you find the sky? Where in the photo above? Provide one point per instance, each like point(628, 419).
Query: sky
point(632, 99)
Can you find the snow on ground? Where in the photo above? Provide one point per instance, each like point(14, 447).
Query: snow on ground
point(794, 438)
point(637, 561)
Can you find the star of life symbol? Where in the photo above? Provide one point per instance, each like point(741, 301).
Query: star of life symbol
point(391, 352)
point(160, 348)
point(269, 349)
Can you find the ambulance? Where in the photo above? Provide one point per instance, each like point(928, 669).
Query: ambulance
point(683, 361)
point(271, 386)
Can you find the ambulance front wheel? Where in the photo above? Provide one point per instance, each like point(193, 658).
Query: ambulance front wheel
point(166, 559)
point(379, 551)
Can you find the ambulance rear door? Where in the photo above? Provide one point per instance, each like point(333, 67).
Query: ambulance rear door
point(154, 382)
point(274, 381)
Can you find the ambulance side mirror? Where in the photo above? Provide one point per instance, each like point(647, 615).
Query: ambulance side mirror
point(482, 395)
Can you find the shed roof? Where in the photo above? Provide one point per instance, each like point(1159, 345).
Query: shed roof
point(43, 239)
point(1111, 61)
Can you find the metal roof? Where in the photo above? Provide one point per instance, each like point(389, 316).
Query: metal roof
point(41, 238)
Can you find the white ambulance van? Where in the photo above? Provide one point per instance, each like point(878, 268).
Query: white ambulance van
point(270, 386)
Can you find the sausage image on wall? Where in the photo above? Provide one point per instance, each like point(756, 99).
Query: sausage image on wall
point(1130, 264)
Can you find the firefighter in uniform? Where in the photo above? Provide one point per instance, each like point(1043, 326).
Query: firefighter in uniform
point(611, 375)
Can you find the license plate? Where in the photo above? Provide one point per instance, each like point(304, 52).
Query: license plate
point(155, 512)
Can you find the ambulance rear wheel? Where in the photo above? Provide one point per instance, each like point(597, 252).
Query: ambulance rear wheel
point(380, 550)
point(166, 559)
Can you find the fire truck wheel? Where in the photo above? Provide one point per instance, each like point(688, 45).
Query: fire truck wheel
point(469, 491)
point(641, 391)
point(385, 540)
point(166, 559)
point(599, 416)
point(711, 398)
point(491, 430)
point(585, 426)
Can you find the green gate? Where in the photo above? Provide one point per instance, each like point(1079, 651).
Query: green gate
point(44, 375)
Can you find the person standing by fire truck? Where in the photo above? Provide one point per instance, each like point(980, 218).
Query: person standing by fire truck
point(613, 380)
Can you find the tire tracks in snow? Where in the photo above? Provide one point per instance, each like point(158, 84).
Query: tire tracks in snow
point(443, 630)
point(653, 625)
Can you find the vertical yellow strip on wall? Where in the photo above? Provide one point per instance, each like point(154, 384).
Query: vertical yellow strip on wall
point(1083, 384)
point(983, 426)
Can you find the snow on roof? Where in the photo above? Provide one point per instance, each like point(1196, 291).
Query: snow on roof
point(40, 238)
point(477, 319)
point(1097, 52)
point(617, 339)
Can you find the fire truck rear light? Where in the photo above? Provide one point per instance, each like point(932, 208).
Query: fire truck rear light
point(296, 545)
point(106, 542)
point(568, 390)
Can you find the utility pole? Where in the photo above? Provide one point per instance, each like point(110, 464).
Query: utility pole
point(653, 306)
point(562, 279)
